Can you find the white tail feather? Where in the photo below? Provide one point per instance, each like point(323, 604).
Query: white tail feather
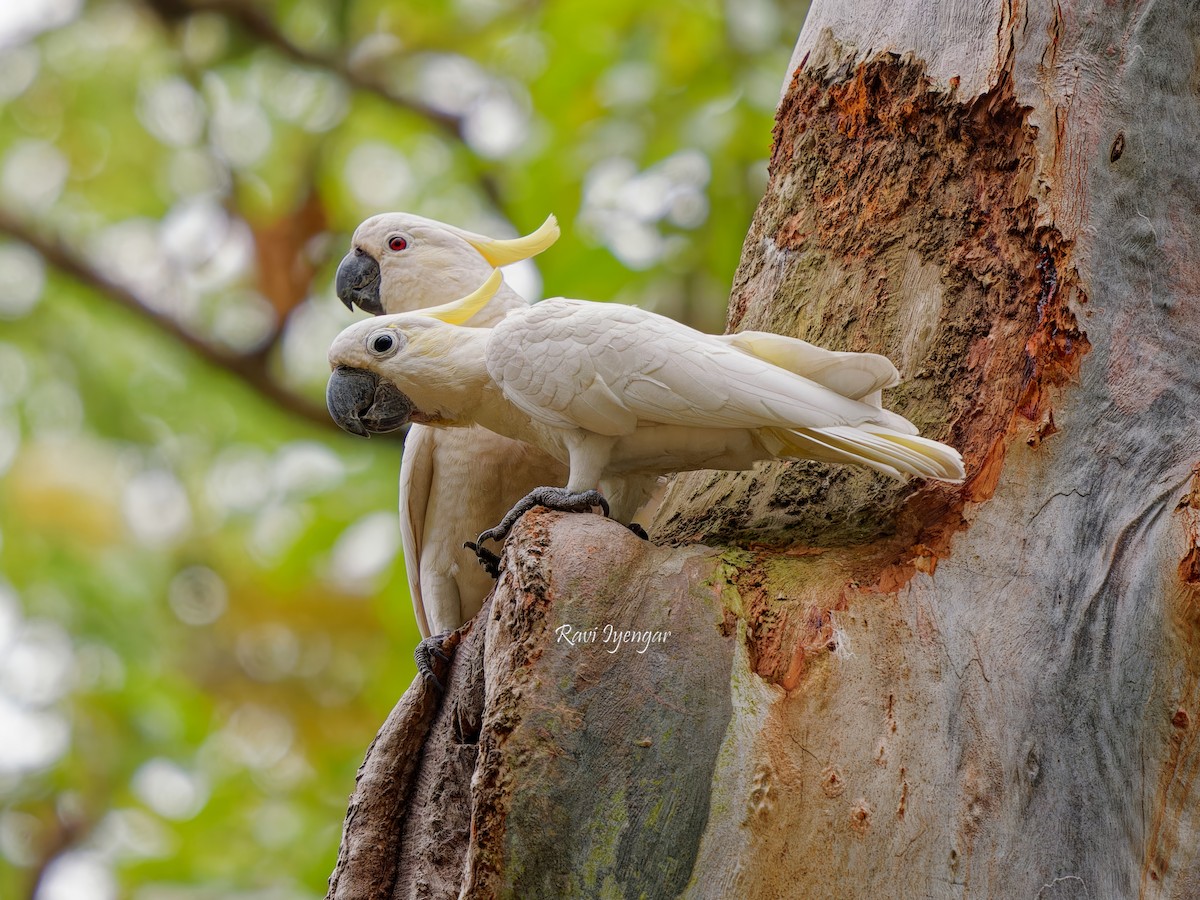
point(876, 447)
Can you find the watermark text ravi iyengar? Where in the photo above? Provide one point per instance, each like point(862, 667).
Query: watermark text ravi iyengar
point(569, 634)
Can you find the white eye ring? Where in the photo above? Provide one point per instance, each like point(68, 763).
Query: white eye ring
point(385, 342)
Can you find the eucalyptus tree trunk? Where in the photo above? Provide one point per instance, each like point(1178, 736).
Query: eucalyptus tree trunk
point(840, 686)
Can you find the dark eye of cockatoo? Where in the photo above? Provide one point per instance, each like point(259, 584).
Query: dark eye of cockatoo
point(397, 243)
point(383, 343)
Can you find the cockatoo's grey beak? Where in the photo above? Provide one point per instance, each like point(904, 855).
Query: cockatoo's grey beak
point(363, 404)
point(358, 282)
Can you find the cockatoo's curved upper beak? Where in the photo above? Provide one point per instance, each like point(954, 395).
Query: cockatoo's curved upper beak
point(358, 282)
point(363, 404)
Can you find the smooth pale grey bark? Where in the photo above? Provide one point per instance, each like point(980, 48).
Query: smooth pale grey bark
point(914, 691)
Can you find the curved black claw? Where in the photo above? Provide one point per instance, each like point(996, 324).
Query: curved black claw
point(489, 560)
point(638, 530)
point(559, 499)
point(427, 650)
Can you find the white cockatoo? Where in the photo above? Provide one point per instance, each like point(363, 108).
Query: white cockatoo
point(452, 482)
point(622, 395)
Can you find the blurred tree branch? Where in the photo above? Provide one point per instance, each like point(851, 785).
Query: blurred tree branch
point(252, 369)
point(260, 26)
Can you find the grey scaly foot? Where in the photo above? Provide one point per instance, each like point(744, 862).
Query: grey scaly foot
point(559, 499)
point(427, 650)
point(489, 560)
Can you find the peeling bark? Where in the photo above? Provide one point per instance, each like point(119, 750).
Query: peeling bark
point(366, 864)
point(873, 689)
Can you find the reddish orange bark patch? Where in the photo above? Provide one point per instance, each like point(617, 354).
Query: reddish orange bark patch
point(880, 161)
point(1189, 507)
point(785, 634)
point(860, 816)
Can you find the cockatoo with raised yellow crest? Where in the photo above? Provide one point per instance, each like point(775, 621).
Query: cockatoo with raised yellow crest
point(452, 482)
point(622, 395)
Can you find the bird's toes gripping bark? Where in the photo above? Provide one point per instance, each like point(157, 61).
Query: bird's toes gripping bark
point(489, 560)
point(427, 651)
point(559, 499)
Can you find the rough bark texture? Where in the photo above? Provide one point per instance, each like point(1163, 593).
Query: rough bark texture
point(366, 864)
point(870, 689)
point(596, 758)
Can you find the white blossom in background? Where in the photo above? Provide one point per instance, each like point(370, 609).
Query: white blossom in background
point(78, 875)
point(37, 666)
point(239, 480)
point(316, 101)
point(211, 256)
point(98, 667)
point(10, 617)
point(268, 652)
point(19, 832)
point(379, 176)
point(37, 738)
point(754, 25)
point(447, 82)
point(198, 596)
point(14, 374)
point(255, 736)
point(20, 67)
point(310, 330)
point(495, 111)
point(624, 207)
point(242, 320)
point(36, 671)
point(277, 823)
point(304, 468)
point(169, 789)
point(33, 174)
point(156, 508)
point(172, 111)
point(133, 834)
point(496, 125)
point(130, 253)
point(21, 19)
point(196, 229)
point(364, 551)
point(276, 528)
point(239, 128)
point(22, 279)
point(54, 409)
point(629, 84)
point(194, 170)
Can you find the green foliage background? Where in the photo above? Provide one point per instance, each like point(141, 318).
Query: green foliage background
point(203, 616)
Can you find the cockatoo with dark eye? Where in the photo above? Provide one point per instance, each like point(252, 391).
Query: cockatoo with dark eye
point(452, 482)
point(623, 395)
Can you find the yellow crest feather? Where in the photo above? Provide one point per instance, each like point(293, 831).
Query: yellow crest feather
point(503, 252)
point(460, 311)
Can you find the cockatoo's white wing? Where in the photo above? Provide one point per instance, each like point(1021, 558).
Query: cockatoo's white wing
point(416, 477)
point(455, 483)
point(853, 375)
point(859, 376)
point(606, 368)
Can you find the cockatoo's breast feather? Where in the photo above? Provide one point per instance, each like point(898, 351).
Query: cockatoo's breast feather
point(608, 368)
